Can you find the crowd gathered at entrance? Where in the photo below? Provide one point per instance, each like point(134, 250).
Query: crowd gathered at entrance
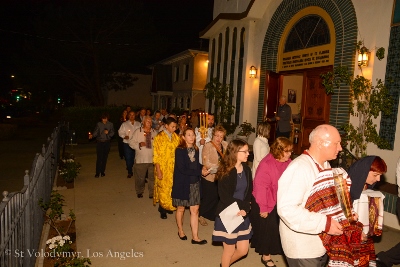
point(299, 207)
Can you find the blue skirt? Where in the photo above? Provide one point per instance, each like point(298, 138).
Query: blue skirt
point(242, 232)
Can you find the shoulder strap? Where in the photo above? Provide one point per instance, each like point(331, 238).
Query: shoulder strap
point(218, 149)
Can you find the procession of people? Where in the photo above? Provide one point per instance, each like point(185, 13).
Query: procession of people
point(283, 205)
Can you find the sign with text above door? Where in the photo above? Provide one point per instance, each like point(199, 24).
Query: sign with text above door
point(307, 58)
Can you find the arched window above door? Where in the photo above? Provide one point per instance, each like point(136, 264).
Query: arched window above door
point(309, 31)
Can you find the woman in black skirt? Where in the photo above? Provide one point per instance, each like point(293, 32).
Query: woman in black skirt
point(186, 184)
point(263, 216)
point(235, 184)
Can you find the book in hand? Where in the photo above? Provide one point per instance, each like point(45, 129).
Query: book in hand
point(229, 217)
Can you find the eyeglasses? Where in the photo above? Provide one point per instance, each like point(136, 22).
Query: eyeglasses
point(244, 151)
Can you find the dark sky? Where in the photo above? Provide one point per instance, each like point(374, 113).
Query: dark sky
point(178, 22)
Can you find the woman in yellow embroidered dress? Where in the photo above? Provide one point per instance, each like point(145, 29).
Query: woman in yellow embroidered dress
point(165, 144)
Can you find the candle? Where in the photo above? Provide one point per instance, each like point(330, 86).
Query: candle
point(200, 119)
point(206, 124)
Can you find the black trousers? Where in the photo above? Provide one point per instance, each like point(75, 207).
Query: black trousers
point(209, 199)
point(392, 256)
point(279, 134)
point(102, 150)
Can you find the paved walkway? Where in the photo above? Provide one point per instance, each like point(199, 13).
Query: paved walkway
point(112, 221)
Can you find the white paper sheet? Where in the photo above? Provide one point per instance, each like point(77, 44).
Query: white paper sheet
point(229, 217)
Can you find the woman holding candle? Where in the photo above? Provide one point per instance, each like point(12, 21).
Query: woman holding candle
point(368, 204)
point(212, 155)
point(103, 133)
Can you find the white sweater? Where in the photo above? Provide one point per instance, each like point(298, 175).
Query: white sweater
point(142, 154)
point(299, 228)
point(260, 150)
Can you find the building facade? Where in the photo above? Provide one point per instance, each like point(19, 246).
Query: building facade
point(291, 43)
point(178, 82)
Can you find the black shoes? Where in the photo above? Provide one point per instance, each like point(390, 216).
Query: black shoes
point(151, 197)
point(139, 195)
point(103, 174)
point(96, 176)
point(129, 175)
point(163, 216)
point(201, 242)
point(266, 262)
point(183, 237)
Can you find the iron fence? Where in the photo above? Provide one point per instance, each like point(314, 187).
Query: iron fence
point(21, 218)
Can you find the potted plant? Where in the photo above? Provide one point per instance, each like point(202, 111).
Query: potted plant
point(230, 128)
point(245, 130)
point(68, 168)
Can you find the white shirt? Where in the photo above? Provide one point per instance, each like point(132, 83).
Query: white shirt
point(142, 154)
point(260, 150)
point(299, 227)
point(127, 129)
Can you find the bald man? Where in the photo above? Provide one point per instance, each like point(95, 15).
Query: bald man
point(299, 227)
point(283, 118)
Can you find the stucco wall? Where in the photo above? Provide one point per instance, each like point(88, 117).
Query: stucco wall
point(373, 17)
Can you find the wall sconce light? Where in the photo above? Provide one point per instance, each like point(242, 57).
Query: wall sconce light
point(253, 72)
point(363, 57)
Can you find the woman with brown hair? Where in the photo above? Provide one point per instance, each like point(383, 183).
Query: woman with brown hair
point(234, 185)
point(368, 204)
point(182, 125)
point(186, 185)
point(263, 216)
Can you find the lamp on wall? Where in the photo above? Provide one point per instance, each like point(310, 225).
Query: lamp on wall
point(363, 57)
point(253, 72)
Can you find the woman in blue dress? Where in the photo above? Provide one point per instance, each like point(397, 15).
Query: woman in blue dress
point(235, 184)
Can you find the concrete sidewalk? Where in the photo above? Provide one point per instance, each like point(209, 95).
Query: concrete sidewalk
point(115, 228)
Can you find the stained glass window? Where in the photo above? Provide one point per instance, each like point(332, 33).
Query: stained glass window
point(308, 32)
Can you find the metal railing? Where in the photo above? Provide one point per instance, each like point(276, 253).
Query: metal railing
point(21, 218)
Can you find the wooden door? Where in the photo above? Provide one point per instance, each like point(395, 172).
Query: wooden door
point(272, 87)
point(316, 103)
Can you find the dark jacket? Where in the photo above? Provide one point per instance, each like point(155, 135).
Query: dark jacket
point(99, 134)
point(285, 117)
point(184, 170)
point(227, 187)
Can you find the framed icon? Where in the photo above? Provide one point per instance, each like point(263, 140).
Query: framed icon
point(291, 96)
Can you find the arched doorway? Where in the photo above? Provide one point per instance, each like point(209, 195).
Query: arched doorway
point(342, 24)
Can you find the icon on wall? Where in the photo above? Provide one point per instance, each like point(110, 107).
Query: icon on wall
point(291, 96)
